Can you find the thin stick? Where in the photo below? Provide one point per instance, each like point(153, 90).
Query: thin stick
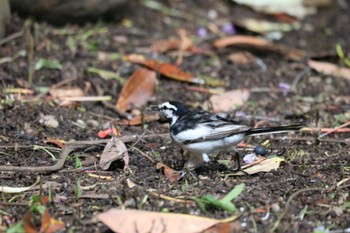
point(11, 37)
point(69, 147)
point(337, 129)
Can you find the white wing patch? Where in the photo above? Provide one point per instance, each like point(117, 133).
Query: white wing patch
point(206, 132)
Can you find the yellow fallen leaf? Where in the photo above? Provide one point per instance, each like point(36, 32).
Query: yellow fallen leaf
point(265, 166)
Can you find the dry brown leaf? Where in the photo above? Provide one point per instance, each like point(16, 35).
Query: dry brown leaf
point(170, 173)
point(166, 69)
point(228, 101)
point(330, 69)
point(242, 58)
point(242, 40)
point(114, 150)
point(130, 183)
point(137, 120)
point(28, 223)
point(137, 90)
point(58, 142)
point(163, 46)
point(262, 44)
point(49, 224)
point(131, 221)
point(64, 92)
point(265, 166)
point(185, 44)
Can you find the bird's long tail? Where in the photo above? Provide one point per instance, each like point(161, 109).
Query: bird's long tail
point(272, 130)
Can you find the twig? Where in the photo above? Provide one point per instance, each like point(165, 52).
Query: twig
point(280, 217)
point(108, 105)
point(310, 139)
point(69, 147)
point(108, 161)
point(337, 129)
point(171, 198)
point(11, 37)
point(144, 154)
point(44, 169)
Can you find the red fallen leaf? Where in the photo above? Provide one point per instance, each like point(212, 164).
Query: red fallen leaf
point(107, 132)
point(44, 200)
point(49, 224)
point(137, 90)
point(170, 173)
point(55, 141)
point(114, 150)
point(166, 69)
point(137, 120)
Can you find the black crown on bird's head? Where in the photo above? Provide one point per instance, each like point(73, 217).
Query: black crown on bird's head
point(172, 110)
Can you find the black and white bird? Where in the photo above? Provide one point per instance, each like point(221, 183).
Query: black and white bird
point(205, 133)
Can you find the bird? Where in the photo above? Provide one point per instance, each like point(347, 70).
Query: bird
point(204, 133)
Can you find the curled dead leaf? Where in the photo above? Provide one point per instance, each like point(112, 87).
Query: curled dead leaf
point(115, 149)
point(137, 90)
point(170, 173)
point(166, 69)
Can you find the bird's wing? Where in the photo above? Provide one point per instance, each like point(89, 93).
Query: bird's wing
point(211, 130)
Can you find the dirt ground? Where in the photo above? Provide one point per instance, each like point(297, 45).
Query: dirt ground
point(313, 166)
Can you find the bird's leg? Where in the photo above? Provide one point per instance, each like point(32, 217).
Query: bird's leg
point(238, 161)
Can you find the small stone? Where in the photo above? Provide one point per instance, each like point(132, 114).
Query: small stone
point(275, 208)
point(259, 150)
point(49, 121)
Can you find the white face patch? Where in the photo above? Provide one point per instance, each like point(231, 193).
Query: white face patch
point(168, 110)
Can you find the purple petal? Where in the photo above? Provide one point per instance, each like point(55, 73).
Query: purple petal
point(228, 28)
point(285, 87)
point(202, 32)
point(250, 158)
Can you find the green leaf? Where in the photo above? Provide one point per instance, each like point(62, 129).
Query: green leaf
point(233, 193)
point(48, 64)
point(16, 228)
point(229, 206)
point(105, 74)
point(77, 161)
point(339, 50)
point(36, 199)
point(38, 209)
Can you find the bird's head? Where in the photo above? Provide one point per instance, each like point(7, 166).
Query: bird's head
point(171, 110)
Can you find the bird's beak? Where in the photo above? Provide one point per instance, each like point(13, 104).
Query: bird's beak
point(153, 108)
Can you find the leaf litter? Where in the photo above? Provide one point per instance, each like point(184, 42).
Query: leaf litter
point(114, 150)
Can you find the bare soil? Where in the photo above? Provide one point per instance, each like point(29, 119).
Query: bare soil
point(310, 163)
